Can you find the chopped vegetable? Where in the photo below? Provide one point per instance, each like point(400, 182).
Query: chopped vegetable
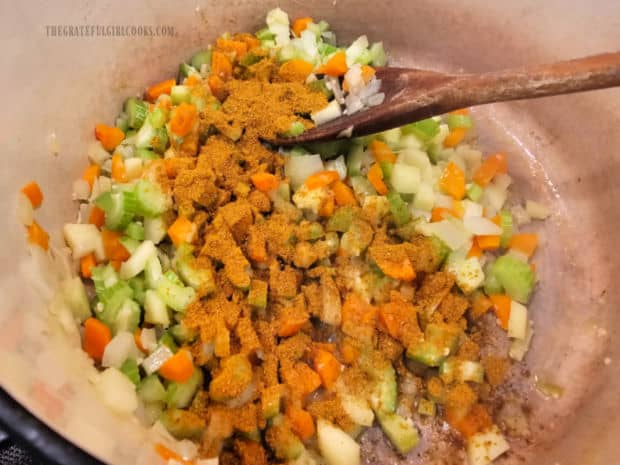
point(96, 337)
point(34, 194)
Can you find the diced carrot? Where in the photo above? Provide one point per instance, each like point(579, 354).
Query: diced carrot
point(90, 174)
point(295, 70)
point(109, 136)
point(257, 248)
point(183, 119)
point(87, 263)
point(170, 456)
point(402, 270)
point(178, 368)
point(390, 318)
point(327, 207)
point(382, 152)
point(237, 47)
point(491, 166)
point(37, 235)
point(501, 305)
point(309, 380)
point(301, 422)
point(454, 137)
point(367, 73)
point(524, 242)
point(251, 41)
point(96, 336)
point(488, 242)
point(137, 338)
point(182, 230)
point(116, 264)
point(163, 87)
point(458, 209)
point(452, 181)
point(118, 168)
point(170, 166)
point(478, 419)
point(441, 213)
point(497, 219)
point(480, 304)
point(96, 216)
point(328, 346)
point(321, 179)
point(343, 194)
point(356, 310)
point(462, 111)
point(375, 177)
point(291, 326)
point(217, 86)
point(327, 366)
point(300, 25)
point(221, 65)
point(349, 352)
point(112, 246)
point(34, 194)
point(335, 66)
point(265, 182)
point(191, 80)
point(475, 250)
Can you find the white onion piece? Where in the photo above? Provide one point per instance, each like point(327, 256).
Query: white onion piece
point(120, 348)
point(358, 47)
point(25, 212)
point(153, 362)
point(471, 209)
point(450, 232)
point(97, 154)
point(116, 391)
point(481, 226)
point(243, 398)
point(133, 168)
point(136, 263)
point(338, 165)
point(443, 201)
point(298, 168)
point(84, 239)
point(536, 210)
point(81, 190)
point(520, 215)
point(329, 113)
point(148, 339)
point(333, 84)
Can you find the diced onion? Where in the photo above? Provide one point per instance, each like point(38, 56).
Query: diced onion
point(405, 179)
point(484, 447)
point(338, 165)
point(97, 154)
point(84, 239)
point(148, 339)
point(298, 168)
point(120, 348)
point(153, 362)
point(536, 210)
point(449, 232)
point(81, 190)
point(480, 226)
point(133, 168)
point(243, 398)
point(25, 212)
point(517, 323)
point(116, 391)
point(520, 215)
point(356, 49)
point(136, 263)
point(329, 113)
point(472, 209)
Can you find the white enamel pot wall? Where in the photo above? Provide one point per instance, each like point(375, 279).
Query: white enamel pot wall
point(563, 151)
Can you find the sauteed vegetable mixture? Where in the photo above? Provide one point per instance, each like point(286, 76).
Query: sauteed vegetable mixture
point(273, 304)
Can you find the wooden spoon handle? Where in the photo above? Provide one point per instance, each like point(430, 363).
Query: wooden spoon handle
point(564, 77)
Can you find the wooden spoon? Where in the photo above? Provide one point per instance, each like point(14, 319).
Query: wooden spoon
point(414, 94)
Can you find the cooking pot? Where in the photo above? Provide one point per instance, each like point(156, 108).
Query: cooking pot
point(563, 151)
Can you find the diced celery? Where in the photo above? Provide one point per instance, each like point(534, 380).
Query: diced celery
point(180, 395)
point(398, 208)
point(158, 117)
point(182, 334)
point(179, 94)
point(468, 273)
point(137, 262)
point(151, 389)
point(401, 433)
point(250, 59)
point(385, 392)
point(128, 317)
point(378, 54)
point(146, 154)
point(424, 129)
point(439, 341)
point(296, 129)
point(151, 201)
point(341, 220)
point(155, 229)
point(200, 59)
point(167, 340)
point(319, 85)
point(183, 424)
point(155, 311)
point(514, 276)
point(160, 140)
point(130, 369)
point(122, 122)
point(153, 272)
point(146, 134)
point(427, 407)
point(139, 288)
point(103, 276)
point(355, 158)
point(285, 444)
point(507, 225)
point(200, 279)
point(173, 278)
point(405, 179)
point(257, 296)
point(186, 70)
point(120, 208)
point(130, 244)
point(175, 296)
point(265, 34)
point(386, 168)
point(361, 186)
point(136, 111)
point(330, 149)
point(474, 192)
point(112, 298)
point(270, 401)
point(459, 121)
point(135, 231)
point(74, 294)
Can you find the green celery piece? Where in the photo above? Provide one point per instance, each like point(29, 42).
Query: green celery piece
point(183, 424)
point(320, 86)
point(167, 340)
point(158, 117)
point(459, 121)
point(507, 225)
point(130, 369)
point(150, 199)
point(250, 59)
point(135, 230)
point(386, 169)
point(257, 296)
point(185, 70)
point(330, 149)
point(136, 111)
point(515, 276)
point(474, 193)
point(178, 95)
point(151, 389)
point(341, 220)
point(401, 433)
point(296, 129)
point(378, 54)
point(398, 208)
point(424, 129)
point(265, 34)
point(200, 58)
point(182, 334)
point(160, 140)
